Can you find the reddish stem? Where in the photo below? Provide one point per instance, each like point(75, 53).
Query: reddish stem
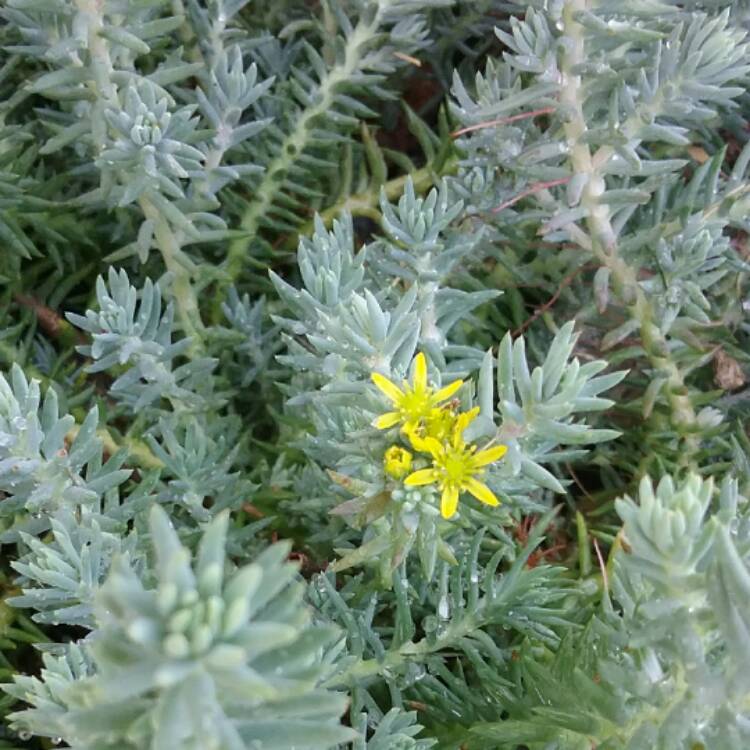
point(599, 557)
point(567, 281)
point(537, 187)
point(502, 121)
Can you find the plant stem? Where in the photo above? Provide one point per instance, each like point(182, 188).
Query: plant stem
point(106, 95)
point(604, 239)
point(298, 139)
point(101, 69)
point(182, 289)
point(366, 203)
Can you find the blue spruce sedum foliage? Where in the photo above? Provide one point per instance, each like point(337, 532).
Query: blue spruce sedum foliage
point(249, 295)
point(195, 656)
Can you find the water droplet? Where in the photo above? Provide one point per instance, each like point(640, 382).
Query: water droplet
point(444, 608)
point(417, 672)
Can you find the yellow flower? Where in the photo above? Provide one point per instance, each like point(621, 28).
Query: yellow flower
point(413, 402)
point(397, 462)
point(456, 466)
point(437, 424)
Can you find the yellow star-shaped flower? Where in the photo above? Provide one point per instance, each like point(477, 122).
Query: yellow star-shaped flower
point(414, 401)
point(456, 466)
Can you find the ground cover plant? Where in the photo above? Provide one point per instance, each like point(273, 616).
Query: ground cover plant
point(373, 375)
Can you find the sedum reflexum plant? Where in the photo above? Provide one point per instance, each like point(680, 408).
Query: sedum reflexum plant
point(373, 375)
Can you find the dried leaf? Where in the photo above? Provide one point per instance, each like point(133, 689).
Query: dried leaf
point(727, 372)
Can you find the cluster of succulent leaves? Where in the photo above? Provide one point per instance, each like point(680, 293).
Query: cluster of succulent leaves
point(227, 229)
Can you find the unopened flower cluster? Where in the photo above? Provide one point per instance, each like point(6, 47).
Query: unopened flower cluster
point(433, 427)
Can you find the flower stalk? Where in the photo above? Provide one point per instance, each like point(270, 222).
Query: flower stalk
point(603, 238)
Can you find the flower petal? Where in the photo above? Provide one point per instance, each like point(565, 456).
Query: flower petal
point(449, 501)
point(420, 372)
point(481, 492)
point(419, 478)
point(445, 393)
point(466, 418)
point(410, 427)
point(384, 421)
point(489, 455)
point(390, 389)
point(425, 444)
point(463, 420)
